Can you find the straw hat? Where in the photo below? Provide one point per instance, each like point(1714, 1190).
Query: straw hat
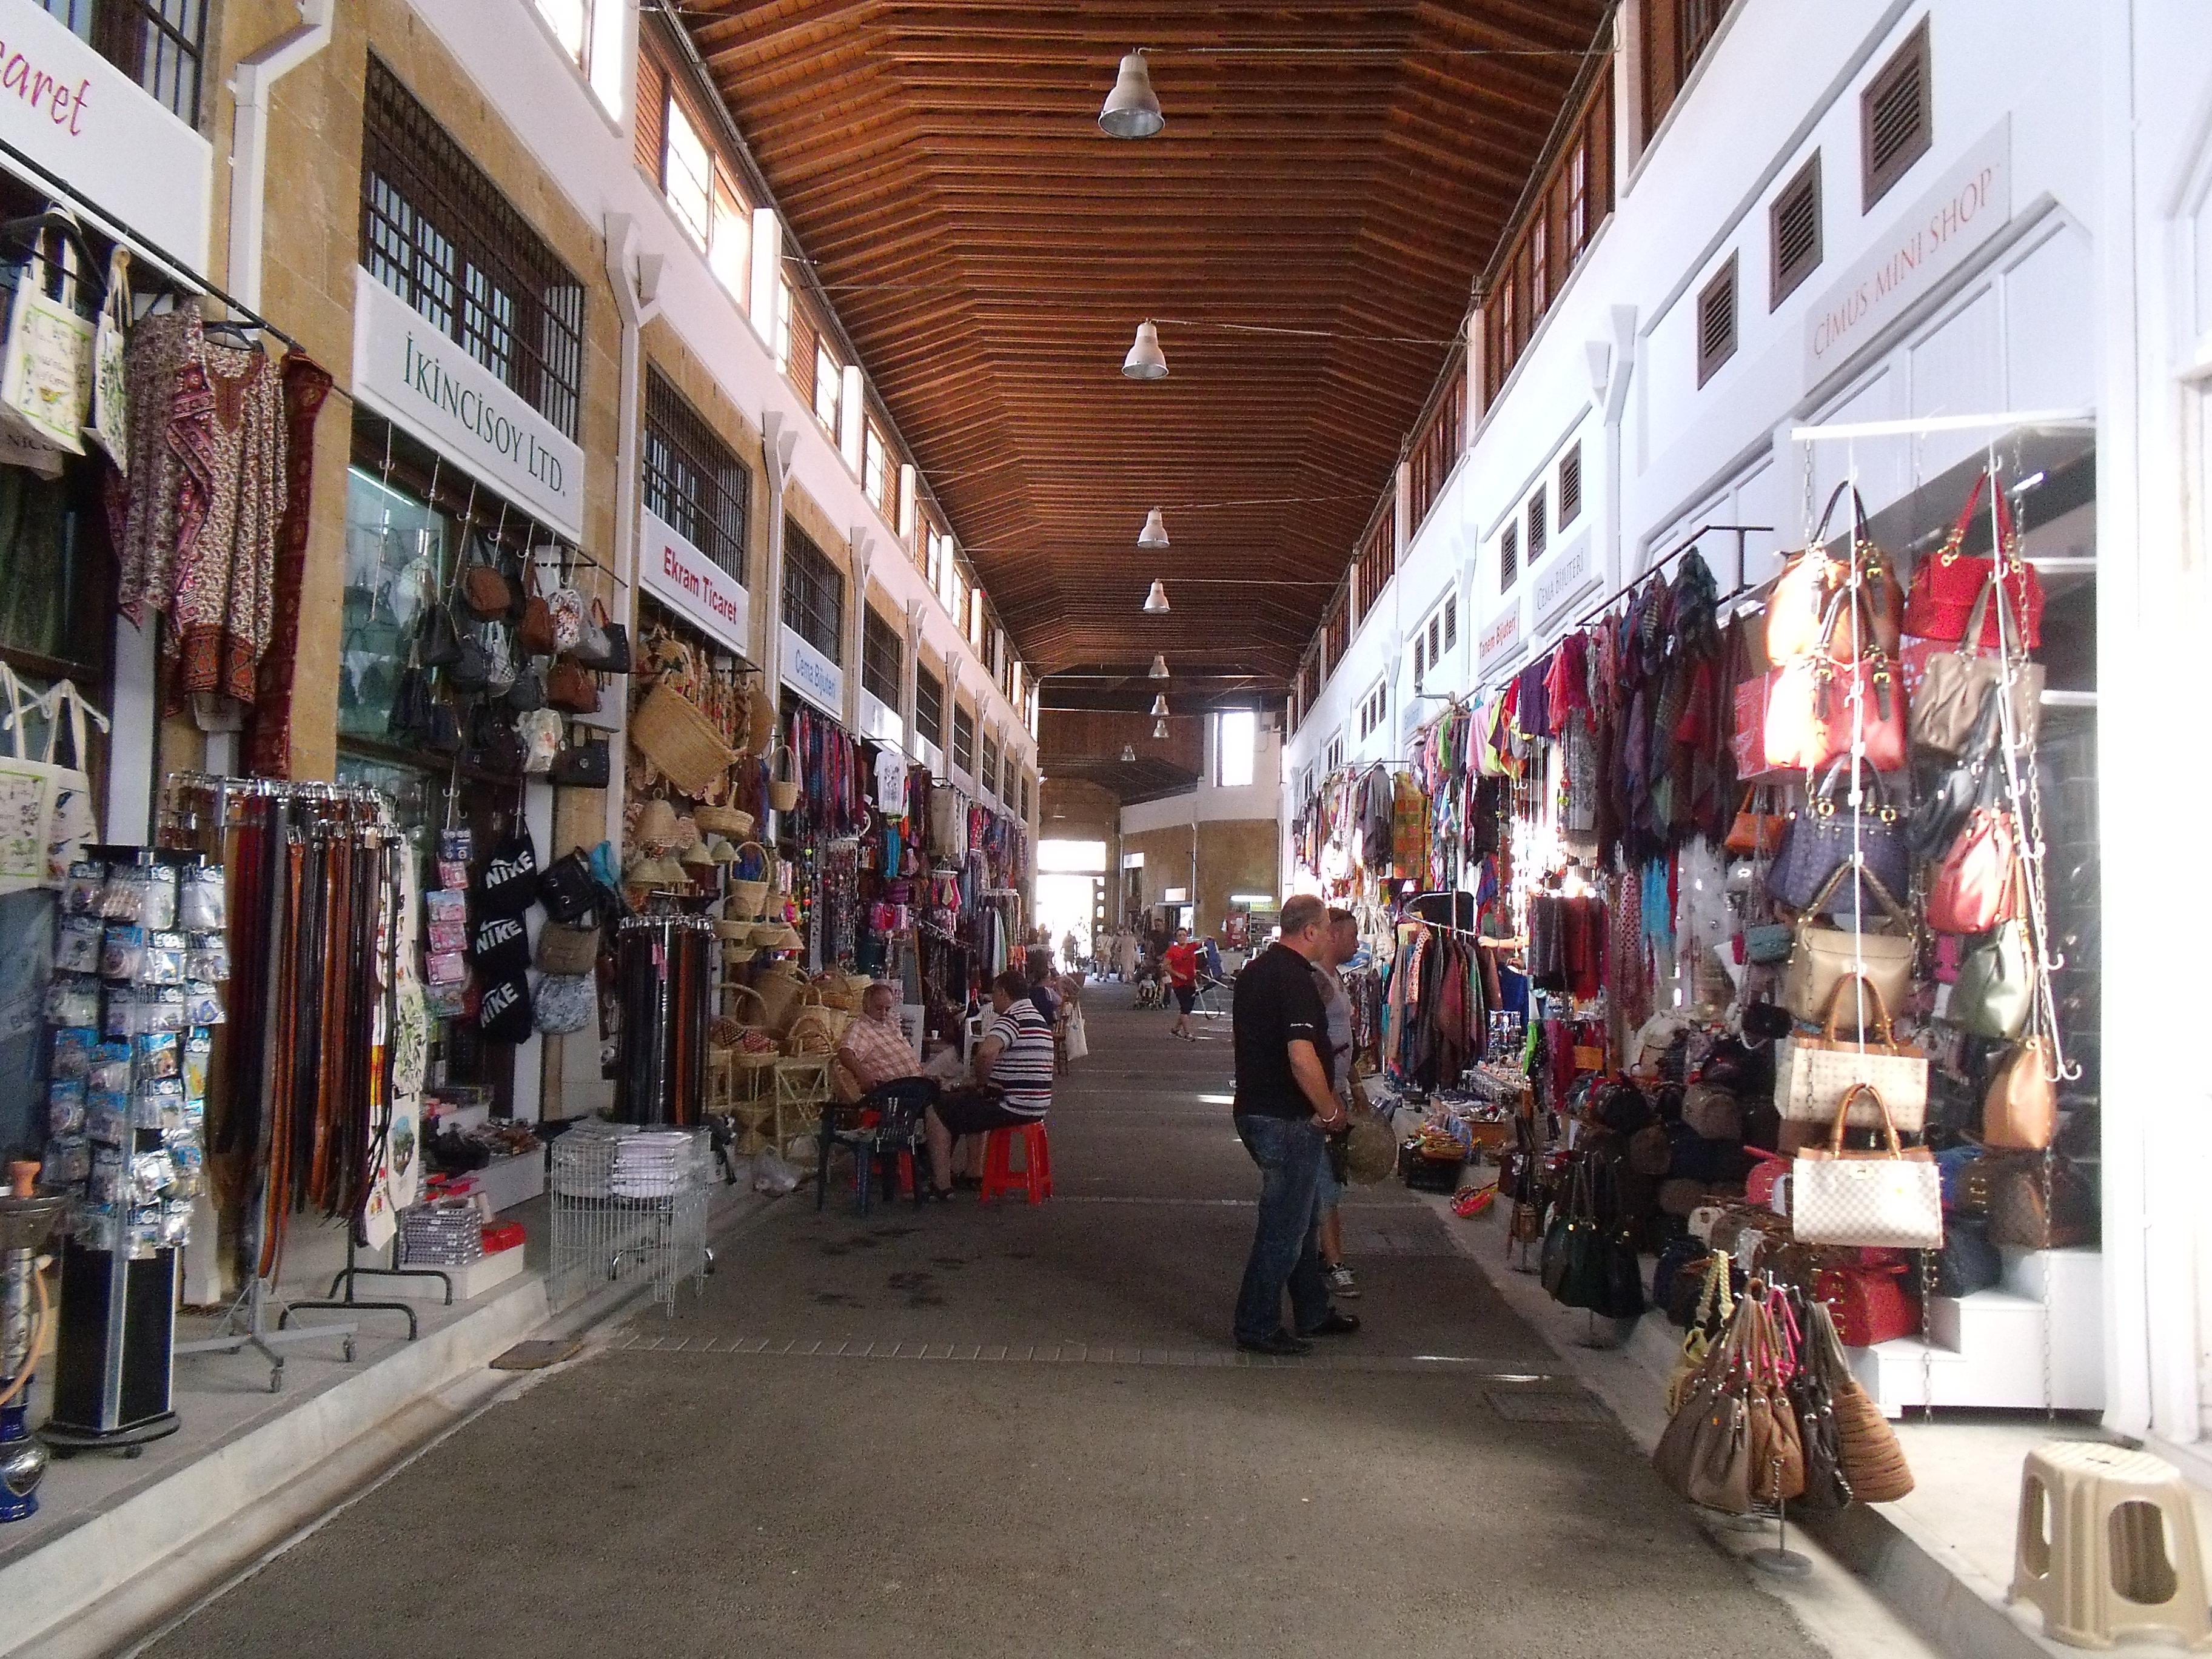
point(656, 826)
point(719, 850)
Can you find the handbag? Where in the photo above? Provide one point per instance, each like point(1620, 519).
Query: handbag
point(540, 730)
point(472, 670)
point(1820, 957)
point(1975, 886)
point(45, 805)
point(583, 766)
point(409, 722)
point(2039, 1201)
point(485, 589)
point(1889, 1197)
point(1712, 1305)
point(1956, 684)
point(527, 693)
point(110, 425)
point(569, 889)
point(1813, 1075)
point(1817, 708)
point(1869, 1303)
point(1811, 1396)
point(1713, 1114)
point(1777, 1453)
point(1823, 838)
point(604, 645)
point(571, 688)
point(565, 948)
point(1811, 582)
point(1755, 833)
point(1950, 797)
point(1865, 1446)
point(1945, 586)
point(534, 632)
point(46, 379)
point(1767, 942)
point(1967, 1263)
point(1704, 1453)
point(2019, 1112)
point(1996, 986)
point(564, 1003)
point(438, 644)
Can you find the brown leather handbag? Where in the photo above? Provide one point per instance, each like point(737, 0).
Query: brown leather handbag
point(571, 687)
point(534, 634)
point(2020, 1110)
point(484, 586)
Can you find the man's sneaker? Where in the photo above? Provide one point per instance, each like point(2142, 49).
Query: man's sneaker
point(1339, 1323)
point(1341, 1283)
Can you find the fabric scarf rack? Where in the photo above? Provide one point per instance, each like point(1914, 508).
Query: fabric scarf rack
point(302, 1090)
point(663, 978)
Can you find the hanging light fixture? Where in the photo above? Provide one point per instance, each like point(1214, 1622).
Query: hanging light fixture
point(1155, 532)
point(1159, 705)
point(1159, 666)
point(1145, 360)
point(1156, 602)
point(1133, 109)
point(1129, 751)
point(1159, 728)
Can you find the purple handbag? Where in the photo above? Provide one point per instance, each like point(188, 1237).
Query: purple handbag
point(1817, 840)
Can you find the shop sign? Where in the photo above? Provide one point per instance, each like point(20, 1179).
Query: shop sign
point(1970, 204)
point(88, 123)
point(1570, 575)
point(1499, 640)
point(813, 675)
point(692, 585)
point(878, 719)
point(406, 368)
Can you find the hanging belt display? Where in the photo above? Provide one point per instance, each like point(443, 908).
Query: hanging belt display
point(664, 977)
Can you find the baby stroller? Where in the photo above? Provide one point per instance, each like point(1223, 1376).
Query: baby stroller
point(1152, 989)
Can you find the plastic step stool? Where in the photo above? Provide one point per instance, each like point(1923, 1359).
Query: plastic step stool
point(999, 1174)
point(2107, 1544)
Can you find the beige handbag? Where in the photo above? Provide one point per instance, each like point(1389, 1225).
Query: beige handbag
point(1820, 957)
point(1956, 683)
point(1890, 1199)
point(1813, 1075)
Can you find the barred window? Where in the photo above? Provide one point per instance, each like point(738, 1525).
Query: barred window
point(436, 230)
point(813, 595)
point(964, 739)
point(883, 657)
point(988, 778)
point(929, 705)
point(692, 480)
point(159, 44)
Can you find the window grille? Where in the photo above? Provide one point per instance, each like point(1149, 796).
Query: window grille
point(882, 658)
point(1716, 321)
point(1571, 485)
point(692, 480)
point(929, 705)
point(813, 595)
point(1897, 121)
point(1794, 232)
point(964, 739)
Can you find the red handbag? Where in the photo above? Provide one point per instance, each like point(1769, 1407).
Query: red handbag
point(1975, 886)
point(1810, 712)
point(1946, 584)
point(1868, 1304)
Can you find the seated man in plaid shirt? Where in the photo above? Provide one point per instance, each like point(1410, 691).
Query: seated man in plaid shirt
point(875, 1051)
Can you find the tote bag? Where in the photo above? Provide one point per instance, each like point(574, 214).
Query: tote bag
point(46, 808)
point(45, 379)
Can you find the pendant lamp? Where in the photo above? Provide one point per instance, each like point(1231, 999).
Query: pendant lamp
point(1156, 602)
point(1129, 751)
point(1159, 728)
point(1159, 666)
point(1155, 532)
point(1145, 360)
point(1133, 109)
point(1159, 705)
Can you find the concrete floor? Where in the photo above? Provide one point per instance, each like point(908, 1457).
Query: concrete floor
point(990, 1430)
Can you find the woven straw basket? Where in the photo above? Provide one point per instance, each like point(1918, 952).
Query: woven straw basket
point(724, 821)
point(747, 897)
point(782, 792)
point(672, 733)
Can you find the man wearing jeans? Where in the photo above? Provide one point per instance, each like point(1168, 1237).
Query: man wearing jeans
point(1285, 1105)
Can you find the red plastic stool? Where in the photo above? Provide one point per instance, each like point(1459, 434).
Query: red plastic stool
point(998, 1176)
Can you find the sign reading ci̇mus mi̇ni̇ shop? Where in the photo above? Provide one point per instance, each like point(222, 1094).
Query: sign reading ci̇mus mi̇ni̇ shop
point(88, 123)
point(405, 368)
point(1968, 206)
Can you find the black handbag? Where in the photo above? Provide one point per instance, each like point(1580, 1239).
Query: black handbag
point(443, 734)
point(582, 766)
point(527, 695)
point(1948, 798)
point(1968, 1261)
point(569, 890)
point(1811, 1396)
point(438, 645)
point(1819, 837)
point(471, 671)
point(411, 706)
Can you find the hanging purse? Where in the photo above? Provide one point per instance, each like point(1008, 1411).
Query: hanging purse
point(1870, 1305)
point(605, 643)
point(45, 376)
point(1873, 1462)
point(565, 948)
point(583, 766)
point(1756, 831)
point(1949, 799)
point(471, 671)
point(1797, 605)
point(1890, 1198)
point(1975, 887)
point(438, 644)
point(1817, 708)
point(1820, 956)
point(527, 693)
point(540, 730)
point(566, 606)
point(1946, 585)
point(1778, 1455)
point(1821, 839)
point(562, 1003)
point(110, 425)
point(1996, 986)
point(409, 722)
point(485, 589)
point(569, 889)
point(534, 632)
point(2040, 1201)
point(1811, 1396)
point(2020, 1111)
point(571, 687)
point(1813, 1076)
point(1955, 687)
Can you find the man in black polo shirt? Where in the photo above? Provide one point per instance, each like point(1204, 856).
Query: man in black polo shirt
point(1286, 1104)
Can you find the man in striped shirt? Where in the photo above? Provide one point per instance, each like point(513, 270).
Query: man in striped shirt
point(1013, 1078)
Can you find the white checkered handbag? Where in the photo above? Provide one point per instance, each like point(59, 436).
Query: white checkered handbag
point(1889, 1199)
point(1813, 1074)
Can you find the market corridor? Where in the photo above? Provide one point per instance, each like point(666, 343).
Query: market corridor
point(1013, 1430)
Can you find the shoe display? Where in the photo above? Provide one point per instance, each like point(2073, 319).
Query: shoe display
point(1277, 1341)
point(1341, 1283)
point(1339, 1323)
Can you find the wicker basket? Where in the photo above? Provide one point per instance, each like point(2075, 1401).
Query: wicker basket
point(809, 1042)
point(672, 733)
point(735, 932)
point(782, 792)
point(747, 897)
point(724, 821)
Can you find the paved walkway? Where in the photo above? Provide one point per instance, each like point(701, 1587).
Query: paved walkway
point(1006, 1431)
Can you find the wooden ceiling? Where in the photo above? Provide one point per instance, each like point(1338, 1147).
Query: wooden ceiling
point(1328, 171)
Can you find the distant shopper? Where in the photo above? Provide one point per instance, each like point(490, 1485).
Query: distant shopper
point(1341, 942)
point(1012, 1080)
point(1128, 947)
point(1044, 984)
point(1285, 1103)
point(1069, 946)
point(1183, 959)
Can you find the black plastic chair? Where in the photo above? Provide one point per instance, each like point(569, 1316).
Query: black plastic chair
point(900, 1105)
